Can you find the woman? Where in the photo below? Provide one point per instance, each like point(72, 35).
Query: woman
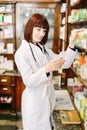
point(36, 64)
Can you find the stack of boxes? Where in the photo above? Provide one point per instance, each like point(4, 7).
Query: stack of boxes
point(80, 100)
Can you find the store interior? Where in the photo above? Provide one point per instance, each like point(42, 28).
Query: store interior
point(70, 112)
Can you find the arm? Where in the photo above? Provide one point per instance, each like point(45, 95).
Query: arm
point(63, 60)
point(68, 56)
point(30, 78)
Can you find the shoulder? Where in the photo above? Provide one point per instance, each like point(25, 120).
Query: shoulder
point(23, 50)
point(23, 47)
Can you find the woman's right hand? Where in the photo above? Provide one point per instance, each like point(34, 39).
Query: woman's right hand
point(54, 65)
point(73, 36)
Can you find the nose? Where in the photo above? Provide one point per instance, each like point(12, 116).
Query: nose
point(42, 33)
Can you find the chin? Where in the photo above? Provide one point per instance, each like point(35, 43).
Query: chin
point(38, 41)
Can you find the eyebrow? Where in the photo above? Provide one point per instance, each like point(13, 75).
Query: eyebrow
point(42, 28)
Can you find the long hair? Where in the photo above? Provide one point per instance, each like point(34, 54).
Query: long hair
point(36, 20)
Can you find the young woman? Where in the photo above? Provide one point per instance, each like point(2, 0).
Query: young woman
point(36, 64)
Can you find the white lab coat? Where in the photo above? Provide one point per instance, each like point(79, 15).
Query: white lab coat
point(38, 98)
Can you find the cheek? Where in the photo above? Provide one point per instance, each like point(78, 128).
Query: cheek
point(45, 34)
point(33, 35)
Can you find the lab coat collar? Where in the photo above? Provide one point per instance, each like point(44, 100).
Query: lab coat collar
point(43, 49)
point(25, 44)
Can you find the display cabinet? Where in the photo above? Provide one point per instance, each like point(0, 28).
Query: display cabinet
point(62, 41)
point(7, 37)
point(77, 19)
point(7, 93)
point(50, 10)
point(7, 50)
point(77, 12)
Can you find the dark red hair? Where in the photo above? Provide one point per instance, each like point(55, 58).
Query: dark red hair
point(36, 20)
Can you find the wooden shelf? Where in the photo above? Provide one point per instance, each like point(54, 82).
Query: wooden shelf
point(81, 4)
point(79, 77)
point(78, 22)
point(82, 49)
point(7, 82)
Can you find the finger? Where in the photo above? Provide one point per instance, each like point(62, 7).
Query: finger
point(75, 31)
point(59, 59)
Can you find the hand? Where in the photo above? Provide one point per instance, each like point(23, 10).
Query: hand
point(73, 36)
point(54, 65)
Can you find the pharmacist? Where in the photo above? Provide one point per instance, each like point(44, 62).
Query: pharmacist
point(36, 64)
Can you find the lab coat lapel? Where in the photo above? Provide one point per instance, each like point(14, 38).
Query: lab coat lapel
point(40, 56)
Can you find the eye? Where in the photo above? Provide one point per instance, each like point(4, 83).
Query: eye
point(44, 30)
point(38, 29)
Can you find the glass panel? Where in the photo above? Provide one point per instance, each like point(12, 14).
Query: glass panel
point(25, 13)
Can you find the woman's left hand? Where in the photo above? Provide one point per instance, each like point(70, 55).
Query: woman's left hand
point(73, 36)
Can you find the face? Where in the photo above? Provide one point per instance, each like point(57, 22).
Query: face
point(38, 34)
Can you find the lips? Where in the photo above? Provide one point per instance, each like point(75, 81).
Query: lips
point(39, 38)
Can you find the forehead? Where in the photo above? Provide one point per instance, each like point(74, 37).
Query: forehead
point(39, 28)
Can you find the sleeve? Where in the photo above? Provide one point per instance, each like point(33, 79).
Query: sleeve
point(68, 55)
point(30, 78)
